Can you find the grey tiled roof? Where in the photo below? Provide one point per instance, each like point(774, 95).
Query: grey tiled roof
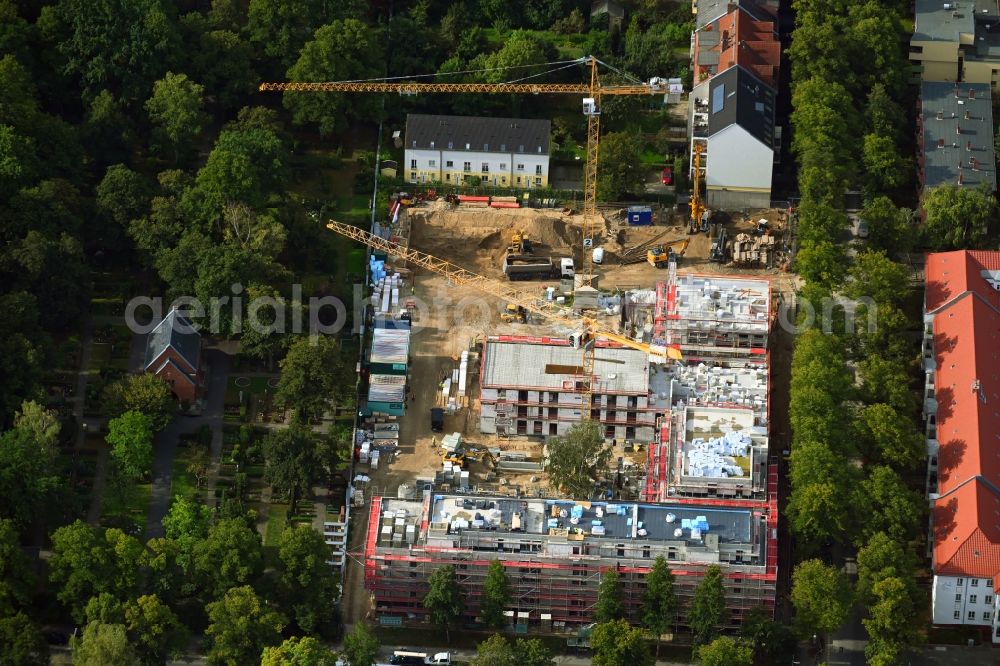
point(709, 10)
point(488, 135)
point(176, 332)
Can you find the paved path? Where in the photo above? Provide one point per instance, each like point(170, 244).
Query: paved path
point(165, 448)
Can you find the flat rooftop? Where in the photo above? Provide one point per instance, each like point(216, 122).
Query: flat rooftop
point(957, 134)
point(609, 520)
point(937, 20)
point(551, 364)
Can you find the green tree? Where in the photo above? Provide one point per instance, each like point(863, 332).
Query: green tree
point(22, 642)
point(305, 651)
point(891, 436)
point(887, 169)
point(281, 27)
point(131, 439)
point(821, 596)
point(154, 630)
point(822, 263)
point(444, 600)
point(40, 424)
point(892, 622)
point(224, 64)
point(103, 645)
point(708, 607)
point(958, 217)
point(176, 109)
point(360, 646)
point(494, 651)
point(889, 227)
point(496, 595)
point(293, 464)
point(885, 116)
point(241, 626)
point(619, 644)
point(577, 458)
point(609, 598)
point(306, 581)
point(659, 601)
point(894, 508)
point(16, 576)
point(228, 557)
point(117, 45)
point(89, 560)
point(874, 275)
point(23, 350)
point(26, 478)
point(773, 642)
point(122, 194)
point(619, 170)
point(310, 375)
point(187, 519)
point(818, 512)
point(532, 652)
point(105, 608)
point(724, 651)
point(339, 51)
point(145, 393)
point(248, 165)
point(883, 557)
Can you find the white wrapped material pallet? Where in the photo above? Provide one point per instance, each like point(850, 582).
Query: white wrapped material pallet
point(446, 389)
point(463, 378)
point(384, 307)
point(454, 376)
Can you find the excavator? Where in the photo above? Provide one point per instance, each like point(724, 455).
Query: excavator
point(699, 221)
point(519, 243)
point(514, 314)
point(661, 255)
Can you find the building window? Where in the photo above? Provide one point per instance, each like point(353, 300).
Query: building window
point(413, 164)
point(449, 163)
point(413, 176)
point(520, 167)
point(518, 180)
point(958, 597)
point(972, 598)
point(958, 615)
point(432, 144)
point(520, 148)
point(538, 169)
point(538, 181)
point(503, 167)
point(467, 167)
point(989, 599)
point(447, 177)
point(450, 145)
point(486, 167)
point(974, 582)
point(539, 149)
point(961, 581)
point(987, 616)
point(467, 146)
point(432, 163)
point(972, 615)
point(486, 147)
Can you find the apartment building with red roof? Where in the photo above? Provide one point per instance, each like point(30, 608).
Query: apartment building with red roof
point(962, 414)
point(735, 60)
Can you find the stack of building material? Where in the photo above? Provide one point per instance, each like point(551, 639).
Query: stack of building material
point(451, 443)
point(463, 373)
point(752, 250)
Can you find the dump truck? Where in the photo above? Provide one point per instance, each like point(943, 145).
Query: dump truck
point(523, 267)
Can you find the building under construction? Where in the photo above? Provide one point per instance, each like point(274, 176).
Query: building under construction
point(534, 386)
point(555, 553)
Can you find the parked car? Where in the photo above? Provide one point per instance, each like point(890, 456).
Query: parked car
point(667, 177)
point(862, 229)
point(437, 419)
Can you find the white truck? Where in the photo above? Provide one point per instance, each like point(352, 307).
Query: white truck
point(414, 658)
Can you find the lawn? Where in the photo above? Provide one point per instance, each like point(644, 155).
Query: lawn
point(127, 508)
point(182, 481)
point(277, 515)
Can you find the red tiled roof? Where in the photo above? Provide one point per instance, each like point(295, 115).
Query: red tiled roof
point(950, 274)
point(742, 40)
point(967, 532)
point(966, 339)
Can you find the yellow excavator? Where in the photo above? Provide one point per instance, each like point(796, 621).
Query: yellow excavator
point(659, 255)
point(519, 243)
point(514, 314)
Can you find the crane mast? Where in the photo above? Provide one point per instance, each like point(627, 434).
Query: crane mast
point(591, 108)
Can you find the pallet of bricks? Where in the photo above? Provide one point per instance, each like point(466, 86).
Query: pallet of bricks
point(752, 250)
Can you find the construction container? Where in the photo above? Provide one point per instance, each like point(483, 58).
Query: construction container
point(640, 216)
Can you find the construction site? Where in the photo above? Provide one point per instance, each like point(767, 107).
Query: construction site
point(459, 465)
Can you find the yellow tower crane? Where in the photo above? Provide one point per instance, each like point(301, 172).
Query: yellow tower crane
point(592, 91)
point(585, 329)
point(697, 205)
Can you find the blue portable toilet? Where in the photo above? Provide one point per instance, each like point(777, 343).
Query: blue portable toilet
point(640, 216)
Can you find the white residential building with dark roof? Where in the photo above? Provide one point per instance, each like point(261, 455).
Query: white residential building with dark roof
point(452, 150)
